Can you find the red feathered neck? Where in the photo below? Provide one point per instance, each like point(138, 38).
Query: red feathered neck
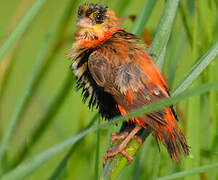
point(94, 43)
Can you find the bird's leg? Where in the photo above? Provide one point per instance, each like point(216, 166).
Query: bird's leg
point(118, 136)
point(127, 136)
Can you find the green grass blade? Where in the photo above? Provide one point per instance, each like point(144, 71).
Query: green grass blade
point(7, 74)
point(45, 122)
point(96, 176)
point(29, 166)
point(196, 70)
point(190, 172)
point(187, 25)
point(56, 174)
point(160, 60)
point(165, 27)
point(213, 101)
point(156, 166)
point(143, 17)
point(24, 24)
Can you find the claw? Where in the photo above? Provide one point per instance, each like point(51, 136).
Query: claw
point(128, 156)
point(117, 136)
point(126, 137)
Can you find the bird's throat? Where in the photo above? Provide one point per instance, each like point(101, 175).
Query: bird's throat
point(93, 37)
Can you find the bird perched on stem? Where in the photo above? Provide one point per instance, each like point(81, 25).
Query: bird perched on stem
point(114, 70)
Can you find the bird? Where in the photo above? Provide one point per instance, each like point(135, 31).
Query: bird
point(118, 75)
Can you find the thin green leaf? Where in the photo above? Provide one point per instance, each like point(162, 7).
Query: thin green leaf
point(196, 70)
point(29, 166)
point(56, 174)
point(143, 17)
point(96, 176)
point(45, 121)
point(186, 22)
point(7, 74)
point(156, 166)
point(190, 172)
point(160, 60)
point(165, 27)
point(213, 108)
point(24, 24)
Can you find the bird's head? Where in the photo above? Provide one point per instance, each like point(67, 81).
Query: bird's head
point(95, 22)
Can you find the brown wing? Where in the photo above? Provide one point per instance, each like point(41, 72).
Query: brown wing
point(138, 91)
point(98, 68)
point(101, 70)
point(127, 83)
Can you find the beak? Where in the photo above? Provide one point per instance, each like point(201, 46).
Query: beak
point(84, 22)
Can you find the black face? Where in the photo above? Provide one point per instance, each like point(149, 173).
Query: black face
point(93, 11)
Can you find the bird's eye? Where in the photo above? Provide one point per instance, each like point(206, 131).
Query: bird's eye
point(99, 18)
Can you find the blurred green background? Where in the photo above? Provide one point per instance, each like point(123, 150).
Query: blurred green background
point(55, 102)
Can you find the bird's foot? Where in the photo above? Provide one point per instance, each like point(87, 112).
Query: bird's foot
point(126, 137)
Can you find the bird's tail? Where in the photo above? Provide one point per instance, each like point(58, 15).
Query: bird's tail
point(172, 137)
